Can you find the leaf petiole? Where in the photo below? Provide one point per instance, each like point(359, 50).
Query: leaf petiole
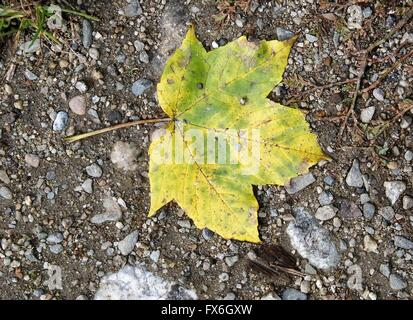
point(112, 128)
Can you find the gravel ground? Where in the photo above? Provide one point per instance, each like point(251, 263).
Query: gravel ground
point(79, 210)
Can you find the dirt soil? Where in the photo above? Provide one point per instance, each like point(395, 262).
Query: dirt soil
point(46, 214)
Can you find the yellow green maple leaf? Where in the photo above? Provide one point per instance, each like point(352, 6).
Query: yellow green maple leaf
point(226, 135)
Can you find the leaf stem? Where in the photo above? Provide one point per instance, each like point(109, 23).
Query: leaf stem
point(112, 128)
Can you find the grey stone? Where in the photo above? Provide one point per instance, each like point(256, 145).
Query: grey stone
point(112, 211)
point(86, 33)
point(293, 294)
point(5, 193)
point(133, 9)
point(139, 45)
point(30, 75)
point(367, 114)
point(325, 213)
point(87, 185)
point(312, 241)
point(355, 17)
point(349, 210)
point(378, 94)
point(81, 86)
point(407, 202)
point(354, 177)
point(368, 210)
point(143, 57)
point(408, 156)
point(155, 256)
point(387, 213)
point(283, 34)
point(55, 237)
point(403, 243)
point(61, 120)
point(78, 105)
point(140, 86)
point(184, 224)
point(299, 183)
point(329, 180)
point(394, 189)
point(56, 248)
point(325, 198)
point(30, 46)
point(94, 170)
point(207, 234)
point(230, 261)
point(396, 282)
point(311, 38)
point(385, 269)
point(32, 160)
point(4, 177)
point(367, 12)
point(128, 243)
point(364, 198)
point(93, 53)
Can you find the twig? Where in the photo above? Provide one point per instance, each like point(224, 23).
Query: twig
point(363, 65)
point(112, 128)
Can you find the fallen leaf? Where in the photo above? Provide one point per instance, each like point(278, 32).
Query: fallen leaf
point(226, 135)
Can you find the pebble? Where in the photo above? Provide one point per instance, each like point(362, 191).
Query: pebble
point(299, 183)
point(56, 248)
point(312, 241)
point(30, 46)
point(94, 170)
point(310, 38)
point(207, 234)
point(94, 53)
point(355, 18)
point(325, 198)
point(370, 245)
point(223, 277)
point(4, 177)
point(367, 114)
point(112, 211)
point(87, 186)
point(329, 180)
point(230, 261)
point(387, 213)
point(349, 210)
point(184, 224)
point(61, 120)
point(140, 86)
point(367, 12)
point(325, 213)
point(378, 94)
point(354, 177)
point(133, 9)
point(406, 122)
point(78, 105)
point(283, 34)
point(128, 243)
point(5, 193)
point(124, 155)
point(394, 189)
point(139, 45)
point(30, 75)
point(32, 160)
point(385, 269)
point(86, 33)
point(407, 202)
point(81, 86)
point(143, 57)
point(293, 294)
point(408, 156)
point(403, 243)
point(368, 210)
point(396, 282)
point(54, 238)
point(155, 256)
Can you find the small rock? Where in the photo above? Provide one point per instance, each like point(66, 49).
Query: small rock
point(394, 189)
point(407, 202)
point(128, 243)
point(4, 177)
point(5, 193)
point(367, 12)
point(354, 177)
point(329, 180)
point(184, 224)
point(312, 241)
point(139, 45)
point(355, 19)
point(387, 213)
point(93, 53)
point(56, 248)
point(30, 46)
point(408, 156)
point(112, 211)
point(378, 94)
point(325, 198)
point(367, 114)
point(299, 183)
point(61, 120)
point(368, 210)
point(155, 256)
point(349, 210)
point(293, 294)
point(78, 105)
point(283, 34)
point(30, 75)
point(81, 86)
point(403, 243)
point(32, 160)
point(207, 234)
point(370, 245)
point(54, 238)
point(87, 186)
point(94, 170)
point(124, 156)
point(133, 9)
point(143, 57)
point(230, 261)
point(86, 33)
point(223, 277)
point(325, 213)
point(310, 38)
point(385, 270)
point(140, 86)
point(396, 282)
point(271, 296)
